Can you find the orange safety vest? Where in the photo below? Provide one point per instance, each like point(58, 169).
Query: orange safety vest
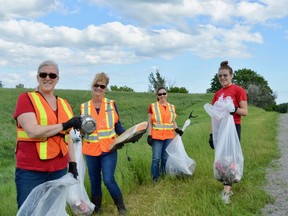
point(162, 121)
point(104, 134)
point(50, 147)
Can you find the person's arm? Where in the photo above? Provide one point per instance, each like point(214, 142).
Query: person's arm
point(71, 151)
point(242, 109)
point(29, 123)
point(119, 129)
point(72, 168)
point(149, 128)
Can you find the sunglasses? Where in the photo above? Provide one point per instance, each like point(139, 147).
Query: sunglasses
point(101, 86)
point(51, 75)
point(224, 75)
point(160, 94)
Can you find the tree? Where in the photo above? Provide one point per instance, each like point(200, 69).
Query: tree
point(20, 85)
point(215, 85)
point(1, 85)
point(177, 90)
point(122, 88)
point(156, 81)
point(257, 88)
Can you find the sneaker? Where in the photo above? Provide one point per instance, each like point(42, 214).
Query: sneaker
point(226, 196)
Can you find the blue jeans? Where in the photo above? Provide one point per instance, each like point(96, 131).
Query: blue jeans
point(159, 157)
point(106, 163)
point(27, 180)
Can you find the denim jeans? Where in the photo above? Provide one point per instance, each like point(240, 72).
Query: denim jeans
point(27, 180)
point(105, 163)
point(159, 157)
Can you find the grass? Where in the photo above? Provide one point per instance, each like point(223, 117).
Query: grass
point(194, 195)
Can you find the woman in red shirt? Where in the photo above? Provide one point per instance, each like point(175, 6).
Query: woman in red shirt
point(43, 121)
point(239, 97)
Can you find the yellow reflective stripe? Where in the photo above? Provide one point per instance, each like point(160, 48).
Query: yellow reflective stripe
point(67, 110)
point(109, 110)
point(157, 112)
point(172, 111)
point(40, 107)
point(106, 116)
point(43, 150)
point(85, 108)
point(22, 135)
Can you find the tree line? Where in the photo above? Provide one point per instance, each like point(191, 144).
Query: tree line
point(257, 88)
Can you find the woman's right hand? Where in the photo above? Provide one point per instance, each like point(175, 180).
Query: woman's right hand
point(149, 140)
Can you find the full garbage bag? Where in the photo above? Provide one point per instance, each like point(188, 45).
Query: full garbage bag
point(228, 161)
point(77, 196)
point(48, 199)
point(178, 162)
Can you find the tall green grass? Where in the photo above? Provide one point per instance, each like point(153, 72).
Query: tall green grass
point(198, 194)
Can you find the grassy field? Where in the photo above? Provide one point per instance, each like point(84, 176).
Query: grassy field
point(196, 195)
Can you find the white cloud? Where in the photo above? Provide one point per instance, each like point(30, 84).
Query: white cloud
point(28, 9)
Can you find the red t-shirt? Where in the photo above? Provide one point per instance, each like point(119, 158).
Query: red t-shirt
point(237, 94)
point(26, 153)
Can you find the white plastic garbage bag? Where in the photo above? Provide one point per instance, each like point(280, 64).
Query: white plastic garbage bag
point(229, 160)
point(77, 196)
point(178, 161)
point(48, 199)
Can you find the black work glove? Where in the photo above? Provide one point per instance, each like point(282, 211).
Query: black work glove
point(75, 122)
point(73, 169)
point(178, 131)
point(211, 141)
point(149, 140)
point(232, 113)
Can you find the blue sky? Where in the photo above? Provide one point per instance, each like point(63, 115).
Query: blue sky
point(184, 39)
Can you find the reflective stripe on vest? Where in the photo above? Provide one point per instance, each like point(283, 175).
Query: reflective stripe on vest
point(110, 121)
point(159, 124)
point(100, 140)
point(47, 150)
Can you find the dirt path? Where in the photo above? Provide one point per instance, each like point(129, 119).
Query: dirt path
point(278, 178)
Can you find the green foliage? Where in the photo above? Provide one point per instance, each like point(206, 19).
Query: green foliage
point(194, 195)
point(257, 88)
point(156, 81)
point(214, 85)
point(20, 85)
point(282, 108)
point(121, 88)
point(177, 90)
point(1, 85)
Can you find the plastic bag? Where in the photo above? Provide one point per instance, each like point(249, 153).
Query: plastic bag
point(228, 162)
point(77, 196)
point(48, 199)
point(178, 162)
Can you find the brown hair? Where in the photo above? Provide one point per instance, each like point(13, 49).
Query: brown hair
point(100, 77)
point(224, 65)
point(159, 88)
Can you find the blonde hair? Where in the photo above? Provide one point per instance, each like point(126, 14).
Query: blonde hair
point(100, 77)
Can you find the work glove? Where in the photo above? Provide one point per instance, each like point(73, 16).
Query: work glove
point(73, 169)
point(211, 141)
point(235, 109)
point(178, 131)
point(149, 140)
point(75, 122)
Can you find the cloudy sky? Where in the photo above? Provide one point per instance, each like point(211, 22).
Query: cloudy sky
point(128, 39)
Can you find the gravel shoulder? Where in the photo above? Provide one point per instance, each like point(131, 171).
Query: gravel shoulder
point(278, 178)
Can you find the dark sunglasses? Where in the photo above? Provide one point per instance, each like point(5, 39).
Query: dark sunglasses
point(51, 75)
point(160, 94)
point(224, 75)
point(101, 86)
